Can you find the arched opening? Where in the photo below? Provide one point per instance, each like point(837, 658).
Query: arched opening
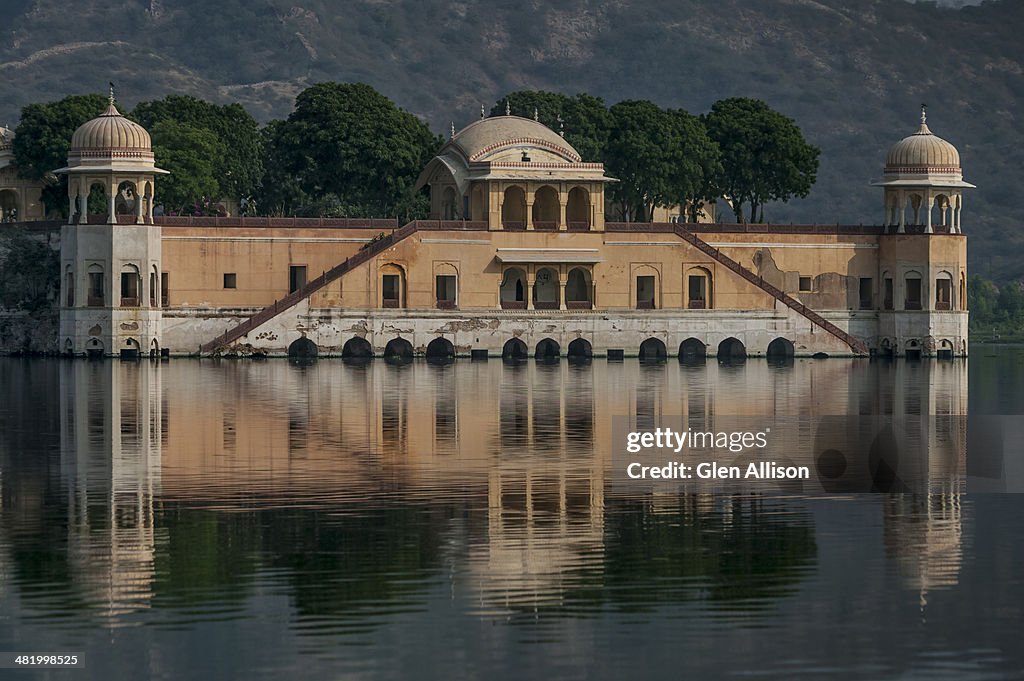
point(515, 350)
point(912, 350)
point(97, 205)
point(698, 289)
point(692, 351)
point(731, 351)
point(780, 351)
point(130, 349)
point(892, 216)
point(912, 291)
point(392, 286)
point(579, 289)
point(449, 208)
point(97, 294)
point(916, 202)
point(545, 289)
point(513, 208)
point(147, 203)
point(131, 283)
point(580, 350)
point(94, 348)
point(547, 351)
point(8, 206)
point(69, 347)
point(154, 349)
point(513, 289)
point(887, 349)
point(545, 209)
point(440, 350)
point(945, 349)
point(398, 350)
point(477, 205)
point(446, 285)
point(963, 292)
point(940, 211)
point(303, 349)
point(653, 350)
point(357, 349)
point(944, 291)
point(154, 284)
point(127, 200)
point(577, 211)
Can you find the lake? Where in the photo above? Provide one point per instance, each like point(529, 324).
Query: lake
point(261, 519)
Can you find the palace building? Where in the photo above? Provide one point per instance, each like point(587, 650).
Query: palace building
point(518, 260)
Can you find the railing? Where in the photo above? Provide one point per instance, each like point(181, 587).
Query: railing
point(390, 303)
point(855, 344)
point(446, 305)
point(95, 301)
point(578, 226)
point(645, 304)
point(129, 302)
point(513, 305)
point(510, 226)
point(696, 305)
point(579, 305)
point(744, 228)
point(912, 305)
point(545, 305)
point(943, 305)
point(545, 226)
point(324, 223)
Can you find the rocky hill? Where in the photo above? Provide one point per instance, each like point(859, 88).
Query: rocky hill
point(851, 72)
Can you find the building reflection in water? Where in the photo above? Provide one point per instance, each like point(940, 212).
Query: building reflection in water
point(521, 453)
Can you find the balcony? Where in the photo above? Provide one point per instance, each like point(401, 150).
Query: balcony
point(545, 226)
point(578, 226)
point(912, 305)
point(129, 302)
point(579, 305)
point(446, 305)
point(95, 301)
point(545, 305)
point(391, 303)
point(645, 304)
point(510, 226)
point(513, 305)
point(696, 305)
point(943, 305)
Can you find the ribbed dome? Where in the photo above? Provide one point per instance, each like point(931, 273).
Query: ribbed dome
point(6, 138)
point(110, 133)
point(487, 135)
point(922, 151)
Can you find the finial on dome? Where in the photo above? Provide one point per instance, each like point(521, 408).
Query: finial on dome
point(482, 114)
point(453, 128)
point(508, 107)
point(924, 113)
point(536, 115)
point(111, 96)
point(561, 127)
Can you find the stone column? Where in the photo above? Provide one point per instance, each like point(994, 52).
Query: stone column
point(529, 211)
point(563, 278)
point(928, 200)
point(138, 208)
point(530, 278)
point(903, 212)
point(83, 208)
point(563, 202)
point(111, 199)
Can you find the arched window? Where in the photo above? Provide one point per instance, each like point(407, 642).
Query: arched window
point(912, 291)
point(478, 203)
point(446, 280)
point(698, 289)
point(392, 286)
point(69, 287)
point(546, 209)
point(731, 350)
point(940, 210)
point(127, 200)
point(944, 291)
point(546, 289)
point(780, 350)
point(577, 211)
point(513, 209)
point(130, 285)
point(154, 284)
point(97, 205)
point(579, 289)
point(97, 294)
point(512, 294)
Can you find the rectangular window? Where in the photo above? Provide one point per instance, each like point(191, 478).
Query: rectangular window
point(887, 299)
point(390, 289)
point(165, 291)
point(96, 289)
point(805, 284)
point(697, 286)
point(913, 299)
point(69, 287)
point(296, 277)
point(230, 280)
point(645, 293)
point(445, 284)
point(129, 289)
point(866, 293)
point(943, 294)
point(152, 289)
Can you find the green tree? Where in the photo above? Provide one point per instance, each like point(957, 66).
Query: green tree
point(191, 155)
point(44, 138)
point(29, 271)
point(660, 158)
point(982, 299)
point(353, 142)
point(239, 168)
point(764, 155)
point(584, 119)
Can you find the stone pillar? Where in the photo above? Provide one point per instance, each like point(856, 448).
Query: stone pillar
point(83, 208)
point(529, 211)
point(928, 200)
point(903, 212)
point(138, 208)
point(563, 202)
point(530, 278)
point(111, 200)
point(563, 278)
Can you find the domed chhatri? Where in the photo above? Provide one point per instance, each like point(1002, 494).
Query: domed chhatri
point(6, 138)
point(514, 173)
point(111, 142)
point(923, 174)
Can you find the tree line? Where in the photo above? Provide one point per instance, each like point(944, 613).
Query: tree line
point(346, 150)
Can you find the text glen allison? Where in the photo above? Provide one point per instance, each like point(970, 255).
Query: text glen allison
point(712, 470)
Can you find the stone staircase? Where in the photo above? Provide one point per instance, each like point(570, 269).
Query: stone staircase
point(858, 346)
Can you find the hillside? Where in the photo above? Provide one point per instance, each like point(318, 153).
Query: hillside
point(851, 72)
